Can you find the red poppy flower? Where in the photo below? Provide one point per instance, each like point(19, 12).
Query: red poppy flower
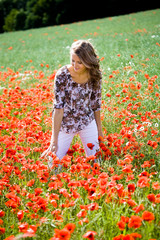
point(135, 222)
point(93, 206)
point(23, 227)
point(119, 237)
point(90, 145)
point(2, 213)
point(121, 225)
point(54, 203)
point(2, 230)
point(131, 202)
point(11, 203)
point(131, 187)
point(153, 144)
point(136, 235)
point(147, 216)
point(75, 194)
point(156, 185)
point(84, 220)
point(146, 164)
point(82, 213)
point(38, 191)
point(108, 95)
point(90, 235)
point(29, 233)
point(62, 234)
point(143, 182)
point(139, 85)
point(20, 215)
point(128, 237)
point(31, 182)
point(100, 138)
point(10, 153)
point(12, 237)
point(151, 197)
point(138, 208)
point(70, 227)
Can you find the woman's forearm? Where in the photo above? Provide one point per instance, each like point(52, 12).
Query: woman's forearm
point(97, 116)
point(56, 124)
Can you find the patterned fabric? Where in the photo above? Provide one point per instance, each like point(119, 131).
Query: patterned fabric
point(79, 101)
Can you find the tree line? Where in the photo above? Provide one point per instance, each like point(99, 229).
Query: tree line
point(26, 14)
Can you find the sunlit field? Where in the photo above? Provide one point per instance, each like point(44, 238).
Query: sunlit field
point(117, 198)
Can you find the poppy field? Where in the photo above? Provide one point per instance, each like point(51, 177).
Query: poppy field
point(116, 198)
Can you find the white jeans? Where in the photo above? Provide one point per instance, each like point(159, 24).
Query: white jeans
point(88, 135)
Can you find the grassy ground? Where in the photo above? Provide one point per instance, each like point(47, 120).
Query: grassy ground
point(51, 45)
point(117, 200)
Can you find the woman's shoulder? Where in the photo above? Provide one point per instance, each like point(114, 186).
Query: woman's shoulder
point(62, 71)
point(61, 76)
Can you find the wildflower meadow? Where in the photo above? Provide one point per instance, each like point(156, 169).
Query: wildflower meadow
point(117, 198)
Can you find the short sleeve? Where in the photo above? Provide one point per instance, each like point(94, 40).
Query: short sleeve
point(59, 89)
point(96, 97)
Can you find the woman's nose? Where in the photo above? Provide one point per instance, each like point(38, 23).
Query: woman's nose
point(75, 64)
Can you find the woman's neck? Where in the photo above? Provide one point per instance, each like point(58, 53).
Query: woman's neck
point(81, 77)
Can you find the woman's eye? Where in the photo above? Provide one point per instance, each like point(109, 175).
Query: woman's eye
point(73, 61)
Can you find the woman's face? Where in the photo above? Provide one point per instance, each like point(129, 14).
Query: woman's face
point(78, 66)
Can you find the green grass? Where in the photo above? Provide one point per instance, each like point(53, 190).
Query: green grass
point(130, 46)
point(50, 45)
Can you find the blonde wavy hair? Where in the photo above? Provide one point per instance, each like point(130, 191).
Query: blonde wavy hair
point(86, 52)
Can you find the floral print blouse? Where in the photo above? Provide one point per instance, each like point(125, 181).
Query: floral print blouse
point(79, 101)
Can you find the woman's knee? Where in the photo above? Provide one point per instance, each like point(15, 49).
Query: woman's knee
point(64, 142)
point(89, 137)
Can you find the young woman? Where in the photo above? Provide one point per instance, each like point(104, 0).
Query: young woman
point(77, 102)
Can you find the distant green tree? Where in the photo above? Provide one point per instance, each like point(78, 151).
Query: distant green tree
point(15, 20)
point(20, 20)
point(32, 21)
point(45, 9)
point(1, 18)
point(20, 4)
point(5, 7)
point(29, 5)
point(25, 14)
point(10, 21)
point(62, 7)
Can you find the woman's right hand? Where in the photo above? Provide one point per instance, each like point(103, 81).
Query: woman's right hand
point(52, 148)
